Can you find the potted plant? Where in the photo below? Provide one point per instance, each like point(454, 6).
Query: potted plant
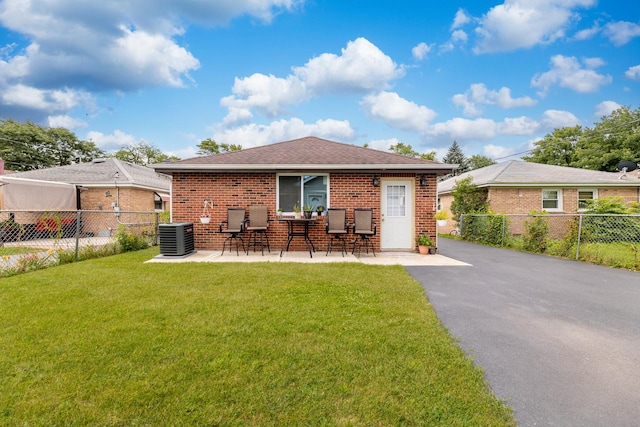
point(424, 243)
point(441, 218)
point(205, 217)
point(296, 210)
point(320, 210)
point(279, 212)
point(308, 210)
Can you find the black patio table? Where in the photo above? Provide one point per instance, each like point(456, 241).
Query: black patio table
point(298, 227)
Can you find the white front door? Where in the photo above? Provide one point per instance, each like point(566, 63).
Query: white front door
point(397, 215)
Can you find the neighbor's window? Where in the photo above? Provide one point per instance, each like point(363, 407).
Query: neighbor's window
point(551, 200)
point(583, 196)
point(303, 190)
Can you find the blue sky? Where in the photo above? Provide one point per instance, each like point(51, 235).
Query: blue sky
point(493, 76)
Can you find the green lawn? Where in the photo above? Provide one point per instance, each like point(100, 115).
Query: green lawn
point(113, 341)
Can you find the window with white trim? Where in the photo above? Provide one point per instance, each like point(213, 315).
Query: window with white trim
point(302, 190)
point(551, 199)
point(584, 195)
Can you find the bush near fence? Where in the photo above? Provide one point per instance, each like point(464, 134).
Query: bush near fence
point(31, 240)
point(608, 239)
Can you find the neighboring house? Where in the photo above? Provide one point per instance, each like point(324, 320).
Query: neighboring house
point(103, 184)
point(517, 187)
point(401, 190)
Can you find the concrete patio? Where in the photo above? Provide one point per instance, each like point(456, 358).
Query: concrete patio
point(381, 258)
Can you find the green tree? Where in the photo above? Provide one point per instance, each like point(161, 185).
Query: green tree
point(407, 150)
point(615, 138)
point(27, 146)
point(468, 198)
point(557, 148)
point(142, 153)
point(477, 161)
point(455, 156)
point(209, 146)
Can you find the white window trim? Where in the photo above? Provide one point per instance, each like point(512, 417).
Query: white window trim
point(594, 192)
point(559, 208)
point(278, 175)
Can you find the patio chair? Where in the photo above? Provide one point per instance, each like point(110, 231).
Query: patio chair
point(235, 225)
point(258, 225)
point(364, 228)
point(337, 227)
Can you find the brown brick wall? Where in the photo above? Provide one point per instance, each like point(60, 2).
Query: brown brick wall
point(347, 190)
point(526, 200)
point(130, 199)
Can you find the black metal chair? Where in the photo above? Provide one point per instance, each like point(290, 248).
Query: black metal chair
point(258, 225)
point(336, 226)
point(364, 228)
point(235, 225)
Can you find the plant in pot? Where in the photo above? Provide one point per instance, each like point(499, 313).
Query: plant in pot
point(308, 210)
point(279, 212)
point(205, 217)
point(424, 243)
point(320, 210)
point(296, 210)
point(441, 218)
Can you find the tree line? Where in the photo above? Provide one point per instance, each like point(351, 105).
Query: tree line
point(27, 146)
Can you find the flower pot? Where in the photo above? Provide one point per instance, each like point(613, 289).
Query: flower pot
point(307, 214)
point(205, 219)
point(297, 215)
point(441, 222)
point(424, 250)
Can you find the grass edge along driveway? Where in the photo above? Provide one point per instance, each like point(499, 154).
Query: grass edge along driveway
point(114, 341)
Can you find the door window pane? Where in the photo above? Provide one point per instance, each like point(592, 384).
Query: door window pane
point(396, 200)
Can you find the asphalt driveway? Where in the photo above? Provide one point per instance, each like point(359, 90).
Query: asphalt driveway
point(559, 340)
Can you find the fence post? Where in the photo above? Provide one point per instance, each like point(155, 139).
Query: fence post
point(579, 235)
point(461, 224)
point(78, 231)
point(504, 222)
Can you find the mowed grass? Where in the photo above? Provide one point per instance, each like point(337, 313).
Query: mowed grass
point(116, 342)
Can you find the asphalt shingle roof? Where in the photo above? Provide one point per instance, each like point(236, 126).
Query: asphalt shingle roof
point(309, 151)
point(516, 172)
point(101, 172)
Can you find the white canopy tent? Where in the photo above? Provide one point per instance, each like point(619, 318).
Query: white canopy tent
point(32, 194)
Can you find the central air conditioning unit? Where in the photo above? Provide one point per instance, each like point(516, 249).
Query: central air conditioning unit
point(176, 239)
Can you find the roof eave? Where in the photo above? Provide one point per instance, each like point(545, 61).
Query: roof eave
point(439, 168)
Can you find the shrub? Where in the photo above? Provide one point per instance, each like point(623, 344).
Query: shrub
point(536, 233)
point(129, 241)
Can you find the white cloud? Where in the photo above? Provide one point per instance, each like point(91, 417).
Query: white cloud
point(519, 24)
point(460, 19)
point(397, 112)
point(605, 108)
point(41, 99)
point(111, 46)
point(464, 129)
point(383, 144)
point(587, 33)
point(253, 135)
point(633, 73)
point(621, 32)
point(66, 122)
point(459, 36)
point(362, 67)
point(112, 142)
point(496, 151)
point(269, 95)
point(421, 50)
point(517, 126)
point(556, 119)
point(479, 94)
point(567, 72)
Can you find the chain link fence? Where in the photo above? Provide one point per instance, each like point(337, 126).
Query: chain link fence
point(35, 239)
point(612, 240)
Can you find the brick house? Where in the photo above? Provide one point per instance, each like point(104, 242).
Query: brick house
point(401, 190)
point(517, 187)
point(104, 184)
